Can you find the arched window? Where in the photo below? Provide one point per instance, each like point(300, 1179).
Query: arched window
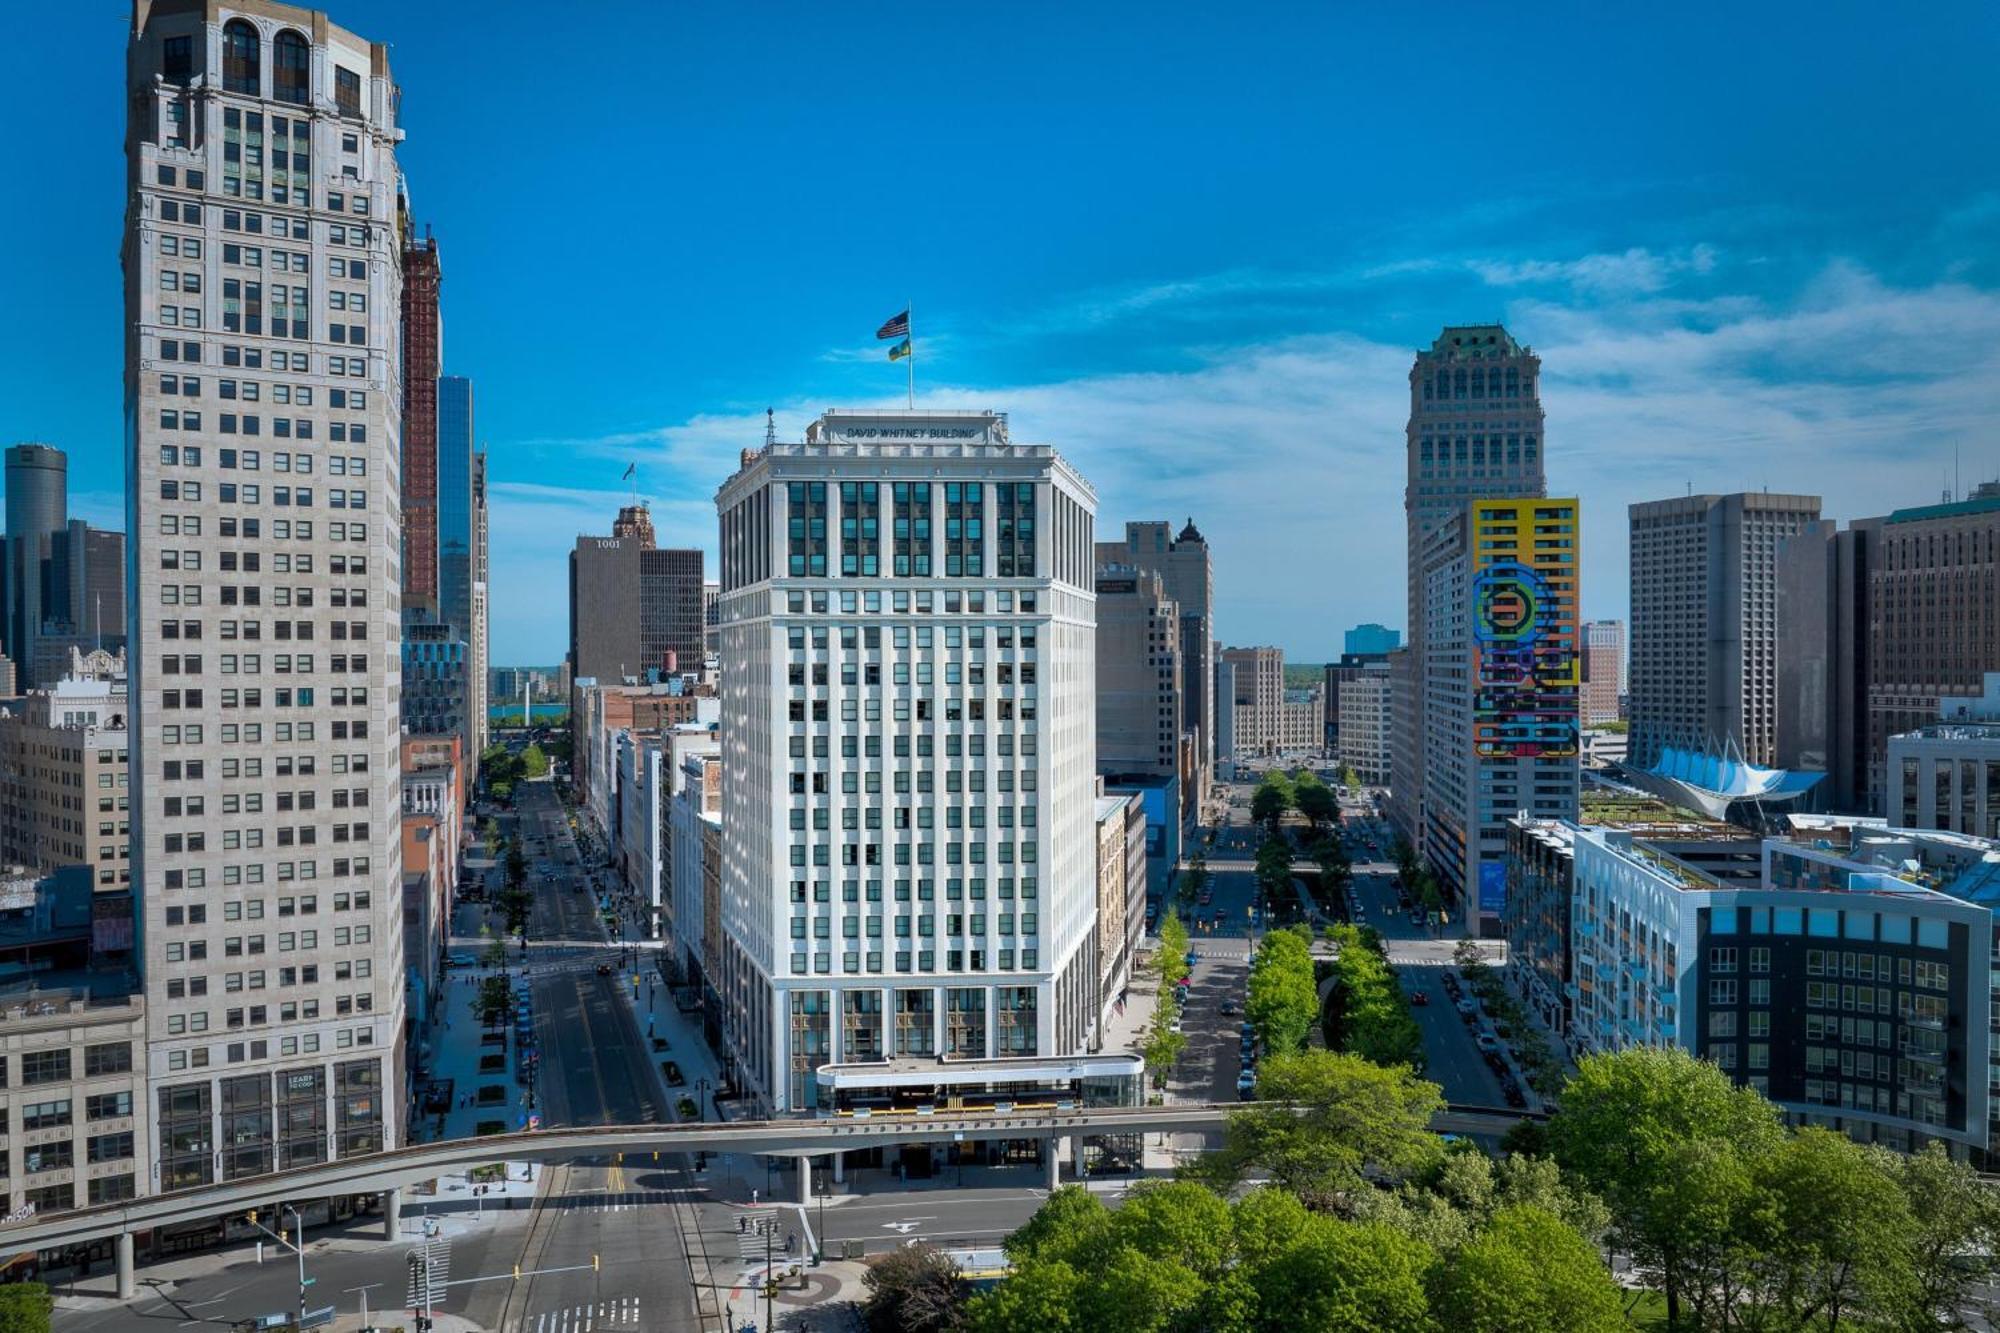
point(291, 60)
point(240, 71)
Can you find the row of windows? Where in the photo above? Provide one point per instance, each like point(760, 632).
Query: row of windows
point(925, 960)
point(854, 927)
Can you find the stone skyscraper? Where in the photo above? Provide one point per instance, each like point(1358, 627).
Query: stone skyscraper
point(264, 408)
point(632, 605)
point(1704, 653)
point(1184, 565)
point(1603, 671)
point(908, 727)
point(1475, 431)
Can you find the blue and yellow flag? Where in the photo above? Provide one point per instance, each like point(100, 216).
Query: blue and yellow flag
point(900, 350)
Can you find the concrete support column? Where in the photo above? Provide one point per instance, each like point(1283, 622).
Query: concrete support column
point(840, 1168)
point(805, 1179)
point(1076, 1157)
point(392, 1213)
point(1052, 1160)
point(128, 1284)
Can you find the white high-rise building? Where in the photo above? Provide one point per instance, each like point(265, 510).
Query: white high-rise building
point(907, 632)
point(263, 403)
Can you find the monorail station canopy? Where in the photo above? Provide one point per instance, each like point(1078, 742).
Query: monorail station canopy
point(1714, 784)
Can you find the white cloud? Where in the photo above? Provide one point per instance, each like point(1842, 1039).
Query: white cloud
point(1636, 271)
point(1289, 455)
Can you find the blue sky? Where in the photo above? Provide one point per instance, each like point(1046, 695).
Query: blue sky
point(1192, 246)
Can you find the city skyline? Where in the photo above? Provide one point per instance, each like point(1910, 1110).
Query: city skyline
point(1671, 297)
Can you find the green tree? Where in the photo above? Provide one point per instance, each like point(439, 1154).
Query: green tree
point(914, 1289)
point(1370, 1010)
point(1350, 780)
point(1663, 1138)
point(1192, 881)
point(1282, 999)
point(1324, 1119)
point(1347, 1277)
point(1274, 871)
point(1314, 799)
point(1177, 1220)
point(1526, 1272)
point(534, 763)
point(1274, 796)
point(1070, 1225)
point(1042, 1296)
point(1952, 1236)
point(25, 1307)
point(1173, 951)
point(1131, 1290)
point(1830, 1233)
point(495, 999)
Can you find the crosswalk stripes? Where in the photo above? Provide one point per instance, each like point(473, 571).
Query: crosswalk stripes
point(617, 1315)
point(437, 1272)
point(750, 1243)
point(616, 1201)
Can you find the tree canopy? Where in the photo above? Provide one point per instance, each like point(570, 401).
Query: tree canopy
point(1370, 1011)
point(1282, 999)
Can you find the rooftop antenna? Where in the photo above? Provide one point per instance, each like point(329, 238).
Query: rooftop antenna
point(770, 427)
point(1955, 482)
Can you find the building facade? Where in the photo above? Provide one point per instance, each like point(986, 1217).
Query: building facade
point(1139, 672)
point(1704, 653)
point(1603, 695)
point(1946, 775)
point(62, 582)
point(1850, 996)
point(1501, 673)
point(263, 497)
point(1475, 430)
point(634, 608)
point(423, 361)
point(65, 795)
point(1371, 640)
point(1121, 901)
point(1367, 723)
point(909, 856)
point(1187, 573)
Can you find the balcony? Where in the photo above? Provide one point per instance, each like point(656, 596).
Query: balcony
point(1928, 1022)
point(1925, 1055)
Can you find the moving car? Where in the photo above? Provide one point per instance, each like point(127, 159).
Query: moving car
point(460, 960)
point(1420, 998)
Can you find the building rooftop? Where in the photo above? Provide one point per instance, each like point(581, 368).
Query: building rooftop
point(1985, 499)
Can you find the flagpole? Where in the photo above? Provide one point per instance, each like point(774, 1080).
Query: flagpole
point(910, 315)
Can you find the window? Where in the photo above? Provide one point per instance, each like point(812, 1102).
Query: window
point(347, 91)
point(44, 1067)
point(289, 62)
point(240, 69)
point(177, 60)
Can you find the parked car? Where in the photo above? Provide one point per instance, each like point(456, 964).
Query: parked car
point(1246, 1085)
point(673, 1072)
point(660, 1044)
point(1467, 1008)
point(460, 960)
point(1487, 1042)
point(1512, 1092)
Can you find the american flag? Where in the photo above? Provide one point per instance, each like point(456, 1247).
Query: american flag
point(897, 327)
